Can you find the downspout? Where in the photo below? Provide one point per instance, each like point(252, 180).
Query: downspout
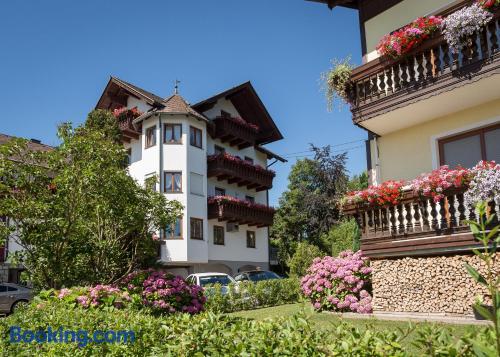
point(268, 239)
point(160, 166)
point(377, 162)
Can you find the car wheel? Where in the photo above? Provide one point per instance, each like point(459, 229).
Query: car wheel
point(17, 305)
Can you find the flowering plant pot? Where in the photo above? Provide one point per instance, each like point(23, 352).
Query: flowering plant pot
point(406, 39)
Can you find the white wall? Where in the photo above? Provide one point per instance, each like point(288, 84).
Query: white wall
point(235, 244)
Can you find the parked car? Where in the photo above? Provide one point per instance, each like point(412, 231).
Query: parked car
point(12, 296)
point(206, 280)
point(257, 275)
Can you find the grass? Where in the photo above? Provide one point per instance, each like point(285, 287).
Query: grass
point(326, 321)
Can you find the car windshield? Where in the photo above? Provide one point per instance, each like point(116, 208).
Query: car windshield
point(262, 275)
point(215, 279)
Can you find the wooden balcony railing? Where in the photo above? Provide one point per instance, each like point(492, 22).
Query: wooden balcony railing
point(127, 128)
point(229, 130)
point(238, 171)
point(416, 226)
point(385, 84)
point(240, 213)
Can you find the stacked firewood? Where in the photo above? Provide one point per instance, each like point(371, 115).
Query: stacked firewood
point(427, 285)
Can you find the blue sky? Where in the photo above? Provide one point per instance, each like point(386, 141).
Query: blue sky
point(56, 57)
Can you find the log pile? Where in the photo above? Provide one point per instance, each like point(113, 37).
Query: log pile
point(428, 285)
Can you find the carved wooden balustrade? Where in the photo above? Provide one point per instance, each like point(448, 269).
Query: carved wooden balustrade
point(127, 128)
point(385, 84)
point(229, 130)
point(239, 172)
point(416, 226)
point(241, 213)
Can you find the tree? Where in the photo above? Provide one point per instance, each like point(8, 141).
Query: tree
point(309, 207)
point(79, 216)
point(343, 236)
point(358, 182)
point(303, 258)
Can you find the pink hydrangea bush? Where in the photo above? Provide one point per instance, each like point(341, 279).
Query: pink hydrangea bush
point(339, 284)
point(164, 292)
point(90, 297)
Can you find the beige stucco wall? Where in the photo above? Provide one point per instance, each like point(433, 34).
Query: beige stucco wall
point(407, 153)
point(398, 16)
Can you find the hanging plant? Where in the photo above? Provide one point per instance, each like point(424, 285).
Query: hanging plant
point(463, 23)
point(337, 82)
point(400, 42)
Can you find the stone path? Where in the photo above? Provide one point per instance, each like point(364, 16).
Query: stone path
point(416, 317)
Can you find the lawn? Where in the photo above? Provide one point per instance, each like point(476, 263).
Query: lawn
point(327, 321)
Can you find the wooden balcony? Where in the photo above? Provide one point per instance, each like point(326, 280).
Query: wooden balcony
point(235, 170)
point(241, 213)
point(417, 226)
point(127, 128)
point(230, 130)
point(383, 85)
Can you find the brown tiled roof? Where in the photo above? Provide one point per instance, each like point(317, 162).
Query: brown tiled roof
point(175, 104)
point(32, 145)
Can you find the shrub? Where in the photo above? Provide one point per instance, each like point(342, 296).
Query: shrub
point(248, 295)
point(302, 258)
point(344, 236)
point(337, 81)
point(99, 296)
point(205, 334)
point(164, 292)
point(339, 284)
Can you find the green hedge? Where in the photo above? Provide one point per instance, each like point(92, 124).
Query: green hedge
point(209, 334)
point(247, 295)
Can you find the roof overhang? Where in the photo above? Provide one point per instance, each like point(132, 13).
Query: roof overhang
point(352, 4)
point(116, 92)
point(250, 107)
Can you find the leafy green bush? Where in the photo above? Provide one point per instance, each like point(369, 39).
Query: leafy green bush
point(209, 334)
point(302, 258)
point(205, 334)
point(247, 295)
point(344, 236)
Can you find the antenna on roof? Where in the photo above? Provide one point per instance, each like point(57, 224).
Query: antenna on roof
point(176, 86)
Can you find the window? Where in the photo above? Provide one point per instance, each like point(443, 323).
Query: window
point(150, 137)
point(218, 235)
point(219, 150)
point(195, 137)
point(173, 182)
point(250, 239)
point(196, 184)
point(196, 228)
point(249, 160)
point(469, 148)
point(220, 191)
point(150, 182)
point(174, 231)
point(250, 199)
point(172, 134)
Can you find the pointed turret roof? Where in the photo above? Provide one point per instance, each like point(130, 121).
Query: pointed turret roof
point(175, 104)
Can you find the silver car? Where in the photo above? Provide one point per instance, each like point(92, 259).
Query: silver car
point(12, 296)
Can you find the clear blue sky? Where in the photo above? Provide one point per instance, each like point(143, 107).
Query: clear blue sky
point(56, 58)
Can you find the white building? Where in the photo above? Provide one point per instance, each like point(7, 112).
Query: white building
point(212, 148)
